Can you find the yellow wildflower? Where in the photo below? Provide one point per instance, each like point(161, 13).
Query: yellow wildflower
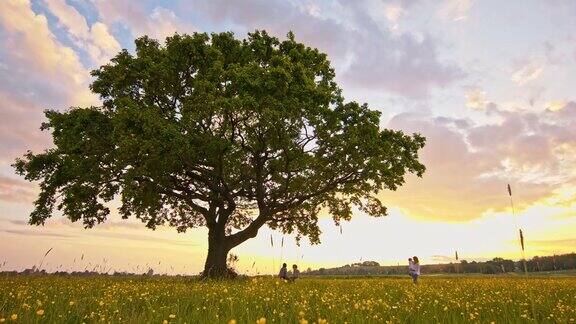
point(262, 320)
point(14, 317)
point(232, 321)
point(172, 316)
point(40, 312)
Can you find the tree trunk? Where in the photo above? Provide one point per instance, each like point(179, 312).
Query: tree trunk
point(219, 245)
point(218, 248)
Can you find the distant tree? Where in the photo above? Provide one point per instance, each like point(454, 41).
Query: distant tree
point(219, 132)
point(370, 264)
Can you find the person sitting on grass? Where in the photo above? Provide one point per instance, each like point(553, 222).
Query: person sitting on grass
point(283, 272)
point(295, 273)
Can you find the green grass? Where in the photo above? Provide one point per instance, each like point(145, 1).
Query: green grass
point(497, 299)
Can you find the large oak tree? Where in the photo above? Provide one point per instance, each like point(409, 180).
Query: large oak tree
point(219, 132)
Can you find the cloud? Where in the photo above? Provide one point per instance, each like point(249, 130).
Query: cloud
point(158, 23)
point(455, 10)
point(63, 228)
point(17, 222)
point(38, 72)
point(28, 33)
point(527, 73)
point(476, 99)
point(390, 13)
point(141, 238)
point(565, 6)
point(105, 46)
point(16, 190)
point(36, 233)
point(393, 12)
point(110, 224)
point(469, 164)
point(20, 120)
point(555, 105)
point(365, 56)
point(402, 65)
point(69, 18)
point(96, 40)
point(567, 113)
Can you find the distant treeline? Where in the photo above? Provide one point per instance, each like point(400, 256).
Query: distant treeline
point(496, 265)
point(34, 271)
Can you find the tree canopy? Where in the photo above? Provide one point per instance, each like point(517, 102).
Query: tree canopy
point(210, 130)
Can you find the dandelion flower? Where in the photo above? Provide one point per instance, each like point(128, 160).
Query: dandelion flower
point(302, 321)
point(2, 320)
point(232, 321)
point(40, 312)
point(14, 317)
point(262, 320)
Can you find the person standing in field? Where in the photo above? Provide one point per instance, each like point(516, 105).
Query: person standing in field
point(295, 273)
point(414, 268)
point(283, 272)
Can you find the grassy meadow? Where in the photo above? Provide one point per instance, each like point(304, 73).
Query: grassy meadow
point(106, 299)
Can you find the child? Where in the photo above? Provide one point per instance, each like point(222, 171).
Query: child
point(295, 273)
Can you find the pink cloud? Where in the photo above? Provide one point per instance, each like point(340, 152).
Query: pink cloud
point(364, 55)
point(16, 190)
point(159, 23)
point(402, 65)
point(469, 165)
point(38, 72)
point(29, 41)
point(20, 120)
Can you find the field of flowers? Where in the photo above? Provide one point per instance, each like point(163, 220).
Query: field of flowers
point(31, 299)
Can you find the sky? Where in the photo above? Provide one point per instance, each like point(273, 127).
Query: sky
point(489, 83)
